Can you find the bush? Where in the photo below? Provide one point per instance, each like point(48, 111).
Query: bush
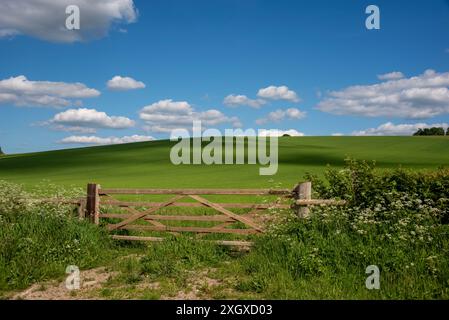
point(395, 220)
point(38, 241)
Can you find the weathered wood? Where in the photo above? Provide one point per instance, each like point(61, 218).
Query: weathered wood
point(320, 202)
point(82, 209)
point(198, 191)
point(158, 239)
point(142, 214)
point(302, 191)
point(92, 202)
point(193, 204)
point(214, 218)
point(136, 238)
point(219, 208)
point(153, 222)
point(187, 229)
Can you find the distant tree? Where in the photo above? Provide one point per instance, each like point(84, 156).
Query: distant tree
point(447, 131)
point(1, 152)
point(286, 135)
point(434, 131)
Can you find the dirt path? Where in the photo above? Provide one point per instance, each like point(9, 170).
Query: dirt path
point(90, 280)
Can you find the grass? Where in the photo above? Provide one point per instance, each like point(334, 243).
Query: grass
point(147, 164)
point(320, 258)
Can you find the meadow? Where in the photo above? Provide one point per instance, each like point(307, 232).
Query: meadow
point(396, 218)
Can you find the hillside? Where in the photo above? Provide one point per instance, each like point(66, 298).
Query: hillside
point(147, 164)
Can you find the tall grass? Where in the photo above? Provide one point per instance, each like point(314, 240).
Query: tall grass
point(38, 241)
point(399, 227)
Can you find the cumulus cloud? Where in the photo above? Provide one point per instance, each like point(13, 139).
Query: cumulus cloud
point(45, 19)
point(242, 100)
point(94, 140)
point(119, 83)
point(391, 129)
point(279, 133)
point(279, 115)
point(391, 76)
point(278, 93)
point(423, 96)
point(167, 115)
point(337, 134)
point(23, 92)
point(87, 121)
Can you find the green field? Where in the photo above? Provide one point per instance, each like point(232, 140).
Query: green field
point(322, 257)
point(148, 165)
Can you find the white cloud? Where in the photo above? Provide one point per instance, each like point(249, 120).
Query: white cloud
point(23, 92)
point(423, 96)
point(279, 133)
point(279, 115)
point(278, 93)
point(167, 115)
point(337, 134)
point(76, 119)
point(124, 83)
point(94, 140)
point(391, 76)
point(242, 100)
point(391, 129)
point(44, 19)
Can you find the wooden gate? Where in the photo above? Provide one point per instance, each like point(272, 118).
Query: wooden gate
point(151, 220)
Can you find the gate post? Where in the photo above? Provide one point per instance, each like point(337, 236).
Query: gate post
point(93, 202)
point(302, 191)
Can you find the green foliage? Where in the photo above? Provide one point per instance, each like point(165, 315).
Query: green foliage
point(395, 220)
point(434, 131)
point(174, 256)
point(38, 241)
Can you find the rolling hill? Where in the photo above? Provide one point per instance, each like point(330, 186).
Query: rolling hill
point(147, 164)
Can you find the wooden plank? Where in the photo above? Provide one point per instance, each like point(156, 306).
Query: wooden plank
point(158, 239)
point(153, 222)
point(214, 218)
point(232, 243)
point(198, 191)
point(142, 214)
point(193, 204)
point(219, 208)
point(187, 229)
point(135, 238)
point(320, 202)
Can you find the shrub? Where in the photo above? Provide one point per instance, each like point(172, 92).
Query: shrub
point(38, 241)
point(394, 219)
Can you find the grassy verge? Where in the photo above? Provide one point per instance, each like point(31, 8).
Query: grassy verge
point(395, 220)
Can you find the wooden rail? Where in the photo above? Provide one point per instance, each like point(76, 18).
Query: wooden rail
point(98, 199)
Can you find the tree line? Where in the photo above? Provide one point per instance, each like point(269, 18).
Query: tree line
point(434, 131)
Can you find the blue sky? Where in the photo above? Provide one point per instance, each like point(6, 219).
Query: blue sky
point(199, 52)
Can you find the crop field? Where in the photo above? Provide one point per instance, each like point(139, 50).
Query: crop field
point(148, 164)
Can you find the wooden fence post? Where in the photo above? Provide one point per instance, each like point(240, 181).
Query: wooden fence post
point(302, 191)
point(82, 209)
point(93, 202)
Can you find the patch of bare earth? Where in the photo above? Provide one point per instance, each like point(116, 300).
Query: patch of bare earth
point(198, 283)
point(53, 290)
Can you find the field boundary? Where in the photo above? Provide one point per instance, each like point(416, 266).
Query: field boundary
point(91, 207)
point(152, 221)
